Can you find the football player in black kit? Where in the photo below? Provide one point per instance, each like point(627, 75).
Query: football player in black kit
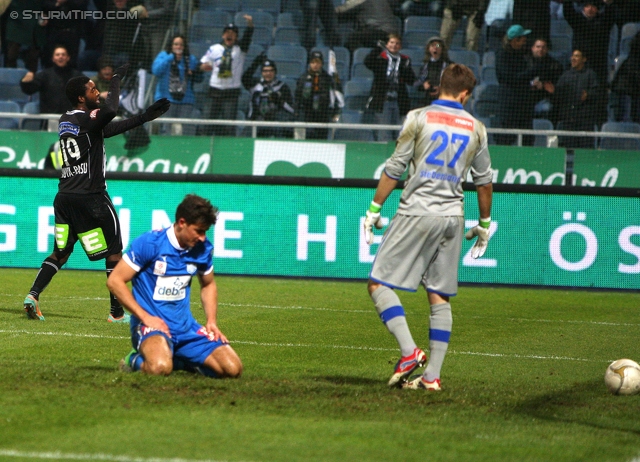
point(82, 208)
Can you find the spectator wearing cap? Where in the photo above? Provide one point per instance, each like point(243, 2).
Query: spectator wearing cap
point(270, 97)
point(314, 101)
point(591, 27)
point(515, 78)
point(225, 60)
point(392, 72)
point(436, 58)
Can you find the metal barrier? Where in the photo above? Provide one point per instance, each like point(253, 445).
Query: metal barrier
point(300, 127)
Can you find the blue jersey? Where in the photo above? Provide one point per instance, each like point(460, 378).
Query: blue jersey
point(163, 283)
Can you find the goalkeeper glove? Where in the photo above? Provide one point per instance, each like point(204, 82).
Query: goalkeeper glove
point(482, 231)
point(372, 219)
point(157, 109)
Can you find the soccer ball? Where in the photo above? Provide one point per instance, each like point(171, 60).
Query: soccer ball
point(623, 377)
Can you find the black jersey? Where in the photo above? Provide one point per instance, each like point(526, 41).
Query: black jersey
point(83, 154)
point(82, 135)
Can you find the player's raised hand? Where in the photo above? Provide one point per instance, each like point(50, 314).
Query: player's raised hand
point(121, 71)
point(157, 109)
point(480, 247)
point(372, 219)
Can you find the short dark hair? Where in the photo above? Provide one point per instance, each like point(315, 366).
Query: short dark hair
point(104, 61)
point(457, 78)
point(197, 210)
point(76, 87)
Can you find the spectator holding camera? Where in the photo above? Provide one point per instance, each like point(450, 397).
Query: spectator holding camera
point(436, 59)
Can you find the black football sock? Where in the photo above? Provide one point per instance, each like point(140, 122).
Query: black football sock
point(47, 271)
point(116, 308)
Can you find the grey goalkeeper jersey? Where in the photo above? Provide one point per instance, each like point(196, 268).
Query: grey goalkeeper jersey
point(439, 143)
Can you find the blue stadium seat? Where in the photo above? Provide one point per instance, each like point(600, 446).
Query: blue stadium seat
point(560, 26)
point(626, 144)
point(289, 19)
point(204, 34)
point(422, 23)
point(541, 124)
point(32, 107)
point(466, 57)
point(352, 117)
point(356, 94)
point(261, 35)
point(291, 68)
point(7, 123)
point(213, 18)
point(260, 18)
point(417, 38)
point(228, 5)
point(287, 52)
point(286, 35)
point(485, 101)
point(272, 6)
point(488, 75)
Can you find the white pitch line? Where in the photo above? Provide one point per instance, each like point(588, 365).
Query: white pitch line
point(109, 457)
point(312, 345)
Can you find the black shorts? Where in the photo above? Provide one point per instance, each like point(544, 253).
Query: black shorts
point(89, 218)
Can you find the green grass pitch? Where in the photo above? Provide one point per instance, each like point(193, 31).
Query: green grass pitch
point(523, 380)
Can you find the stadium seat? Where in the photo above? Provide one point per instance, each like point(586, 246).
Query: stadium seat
point(279, 52)
point(31, 107)
point(417, 38)
point(289, 19)
point(626, 144)
point(260, 18)
point(560, 27)
point(629, 30)
point(352, 117)
point(271, 6)
point(541, 124)
point(488, 75)
point(561, 43)
point(356, 94)
point(416, 55)
point(422, 23)
point(7, 123)
point(228, 5)
point(489, 58)
point(261, 35)
point(292, 68)
point(286, 35)
point(466, 57)
point(204, 34)
point(213, 18)
point(485, 101)
point(360, 71)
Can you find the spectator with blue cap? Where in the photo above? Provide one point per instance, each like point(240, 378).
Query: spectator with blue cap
point(515, 78)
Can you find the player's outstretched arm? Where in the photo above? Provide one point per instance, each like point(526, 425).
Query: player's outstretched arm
point(153, 112)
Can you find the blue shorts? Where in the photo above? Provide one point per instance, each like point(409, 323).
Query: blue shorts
point(194, 345)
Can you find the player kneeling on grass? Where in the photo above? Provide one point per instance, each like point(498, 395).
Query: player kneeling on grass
point(422, 245)
point(160, 264)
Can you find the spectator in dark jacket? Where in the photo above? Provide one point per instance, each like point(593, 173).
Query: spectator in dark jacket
point(546, 69)
point(591, 27)
point(626, 83)
point(51, 84)
point(515, 78)
point(374, 21)
point(270, 98)
point(576, 95)
point(436, 59)
point(392, 72)
point(534, 15)
point(314, 102)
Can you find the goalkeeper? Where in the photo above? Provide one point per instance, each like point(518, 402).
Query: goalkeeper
point(441, 142)
point(83, 209)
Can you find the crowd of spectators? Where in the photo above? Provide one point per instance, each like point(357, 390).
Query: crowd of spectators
point(536, 79)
